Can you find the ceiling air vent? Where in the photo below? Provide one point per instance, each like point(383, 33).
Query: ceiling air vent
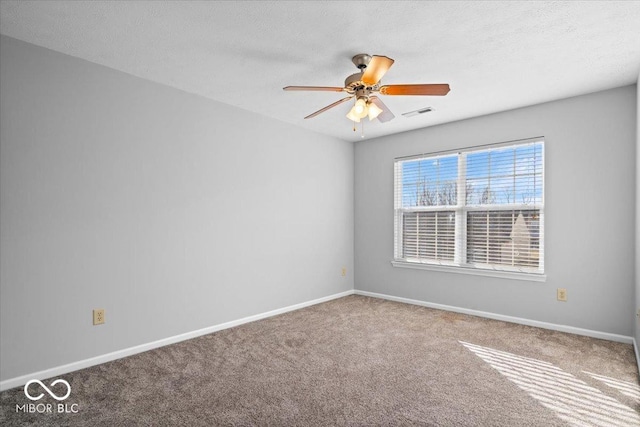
point(416, 112)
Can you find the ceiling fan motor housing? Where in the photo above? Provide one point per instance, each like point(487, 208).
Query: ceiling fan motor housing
point(354, 85)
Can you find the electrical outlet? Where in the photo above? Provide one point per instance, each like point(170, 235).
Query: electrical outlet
point(98, 316)
point(562, 294)
point(344, 271)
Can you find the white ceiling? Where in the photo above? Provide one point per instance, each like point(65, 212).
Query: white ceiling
point(495, 55)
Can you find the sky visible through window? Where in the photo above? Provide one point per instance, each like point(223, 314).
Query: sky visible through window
point(509, 175)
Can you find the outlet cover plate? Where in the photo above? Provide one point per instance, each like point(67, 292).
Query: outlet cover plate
point(98, 316)
point(562, 294)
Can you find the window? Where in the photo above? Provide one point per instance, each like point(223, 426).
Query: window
point(479, 209)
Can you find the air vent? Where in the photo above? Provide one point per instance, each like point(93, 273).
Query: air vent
point(416, 112)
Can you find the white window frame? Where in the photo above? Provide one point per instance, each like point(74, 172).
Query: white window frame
point(459, 265)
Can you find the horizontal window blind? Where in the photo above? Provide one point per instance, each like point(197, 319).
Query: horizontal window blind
point(429, 235)
point(475, 208)
point(508, 238)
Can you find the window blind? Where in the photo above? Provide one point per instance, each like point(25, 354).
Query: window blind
point(475, 208)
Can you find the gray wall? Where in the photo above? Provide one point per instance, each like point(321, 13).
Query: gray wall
point(589, 213)
point(171, 211)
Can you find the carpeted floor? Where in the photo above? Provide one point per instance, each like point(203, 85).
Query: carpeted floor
point(357, 361)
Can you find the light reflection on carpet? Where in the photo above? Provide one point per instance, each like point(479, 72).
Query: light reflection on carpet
point(571, 399)
point(628, 389)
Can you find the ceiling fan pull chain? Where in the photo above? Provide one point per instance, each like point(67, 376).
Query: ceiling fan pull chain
point(354, 122)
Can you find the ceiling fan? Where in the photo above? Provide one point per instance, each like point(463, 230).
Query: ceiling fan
point(364, 85)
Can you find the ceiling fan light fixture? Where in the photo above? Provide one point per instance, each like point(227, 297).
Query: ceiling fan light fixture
point(374, 110)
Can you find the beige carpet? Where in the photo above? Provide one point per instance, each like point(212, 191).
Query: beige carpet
point(356, 361)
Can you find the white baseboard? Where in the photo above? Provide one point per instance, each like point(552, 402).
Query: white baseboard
point(511, 319)
point(70, 367)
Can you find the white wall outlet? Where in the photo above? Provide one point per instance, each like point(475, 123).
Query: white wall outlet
point(344, 271)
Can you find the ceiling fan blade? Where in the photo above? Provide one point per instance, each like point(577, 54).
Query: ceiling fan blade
point(315, 88)
point(428, 89)
point(386, 114)
point(329, 107)
point(376, 68)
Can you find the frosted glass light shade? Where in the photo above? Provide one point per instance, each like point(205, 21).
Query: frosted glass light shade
point(352, 116)
point(360, 109)
point(374, 111)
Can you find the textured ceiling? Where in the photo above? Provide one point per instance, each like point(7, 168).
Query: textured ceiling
point(495, 55)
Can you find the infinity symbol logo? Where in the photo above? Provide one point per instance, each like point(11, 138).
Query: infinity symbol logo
point(52, 394)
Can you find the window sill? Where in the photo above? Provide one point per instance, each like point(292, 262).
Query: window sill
point(532, 277)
